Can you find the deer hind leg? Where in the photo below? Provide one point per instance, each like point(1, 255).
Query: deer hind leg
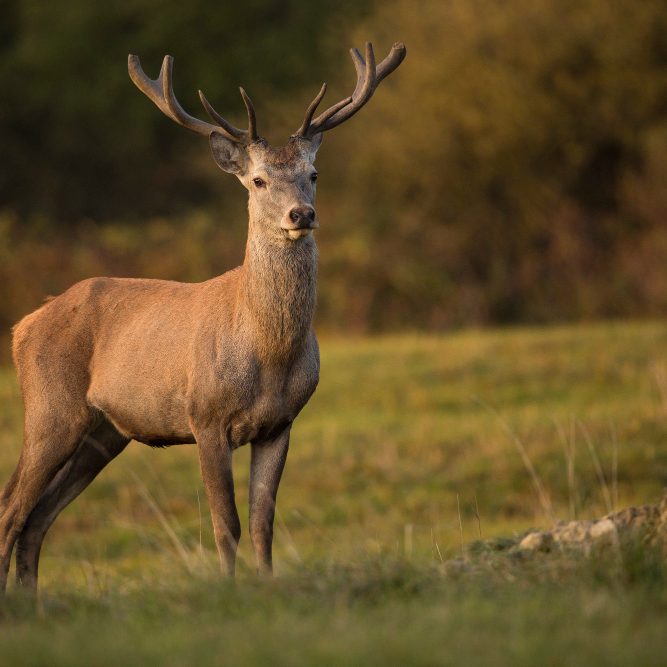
point(95, 451)
point(49, 443)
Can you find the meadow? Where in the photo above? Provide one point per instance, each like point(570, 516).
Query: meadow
point(418, 456)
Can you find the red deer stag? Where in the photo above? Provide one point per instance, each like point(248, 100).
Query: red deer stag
point(222, 363)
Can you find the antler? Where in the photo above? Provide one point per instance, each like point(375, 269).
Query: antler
point(161, 92)
point(368, 79)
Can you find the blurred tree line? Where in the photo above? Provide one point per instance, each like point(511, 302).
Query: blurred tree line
point(80, 141)
point(513, 169)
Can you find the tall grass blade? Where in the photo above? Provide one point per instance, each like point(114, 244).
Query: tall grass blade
point(604, 487)
point(542, 495)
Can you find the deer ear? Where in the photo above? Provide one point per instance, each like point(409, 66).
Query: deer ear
point(315, 143)
point(228, 155)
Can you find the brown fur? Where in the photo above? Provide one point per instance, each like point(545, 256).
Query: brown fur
point(222, 363)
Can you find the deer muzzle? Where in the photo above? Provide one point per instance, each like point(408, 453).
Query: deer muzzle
point(300, 221)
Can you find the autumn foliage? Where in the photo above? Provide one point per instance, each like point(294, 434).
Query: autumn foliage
point(513, 170)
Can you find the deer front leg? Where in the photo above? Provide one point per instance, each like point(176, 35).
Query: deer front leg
point(215, 459)
point(267, 462)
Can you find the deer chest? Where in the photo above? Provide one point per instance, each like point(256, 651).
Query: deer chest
point(272, 398)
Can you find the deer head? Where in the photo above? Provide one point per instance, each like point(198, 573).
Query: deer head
point(280, 181)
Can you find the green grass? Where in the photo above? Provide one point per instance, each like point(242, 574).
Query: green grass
point(412, 447)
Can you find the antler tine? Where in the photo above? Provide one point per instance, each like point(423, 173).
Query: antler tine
point(147, 86)
point(362, 92)
point(368, 78)
point(301, 132)
point(252, 119)
point(228, 129)
point(161, 92)
point(393, 59)
point(325, 115)
point(177, 111)
point(360, 67)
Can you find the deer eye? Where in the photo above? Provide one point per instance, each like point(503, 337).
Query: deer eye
point(313, 177)
point(258, 182)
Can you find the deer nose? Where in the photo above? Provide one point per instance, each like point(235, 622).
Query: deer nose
point(303, 217)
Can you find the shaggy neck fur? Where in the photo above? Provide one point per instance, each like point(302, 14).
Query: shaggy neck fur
point(279, 291)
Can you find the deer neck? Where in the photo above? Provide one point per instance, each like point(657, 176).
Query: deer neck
point(278, 292)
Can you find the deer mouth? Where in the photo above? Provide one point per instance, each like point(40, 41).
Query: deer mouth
point(295, 234)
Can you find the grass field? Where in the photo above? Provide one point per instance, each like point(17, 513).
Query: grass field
point(412, 448)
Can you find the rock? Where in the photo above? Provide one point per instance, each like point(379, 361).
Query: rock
point(661, 527)
point(644, 524)
point(537, 541)
point(604, 532)
point(643, 517)
point(573, 532)
point(662, 506)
